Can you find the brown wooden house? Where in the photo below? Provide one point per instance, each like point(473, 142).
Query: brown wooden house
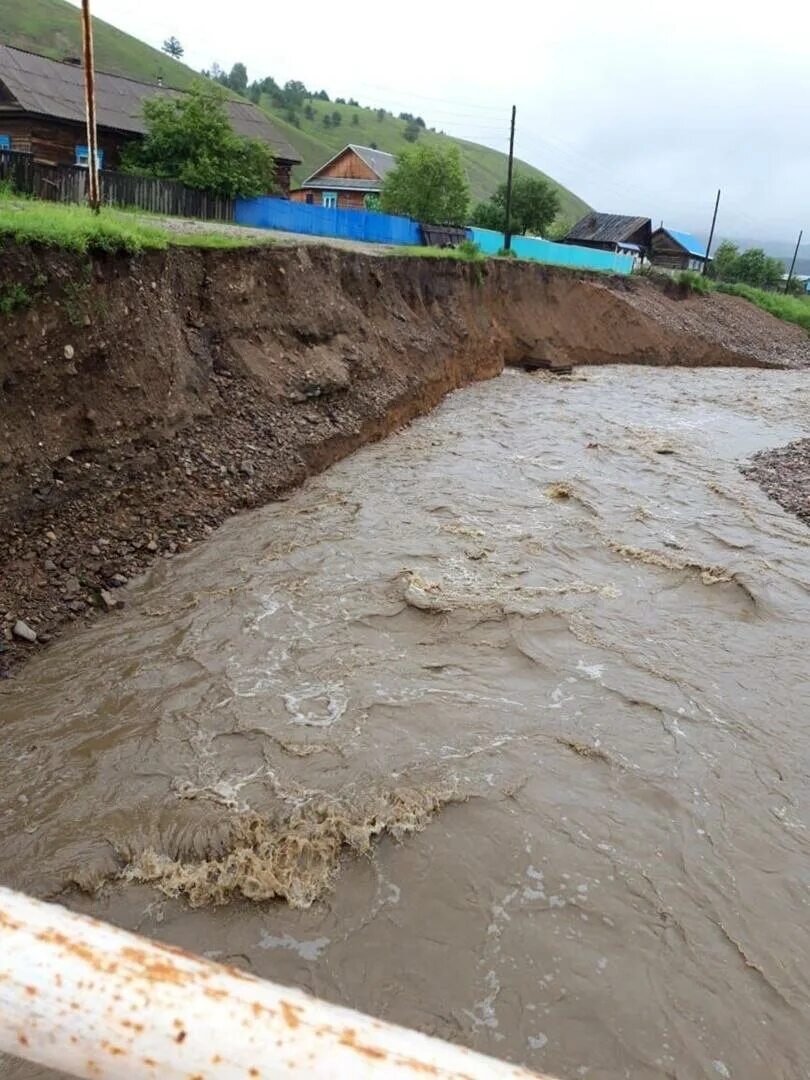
point(612, 232)
point(42, 113)
point(347, 180)
point(672, 249)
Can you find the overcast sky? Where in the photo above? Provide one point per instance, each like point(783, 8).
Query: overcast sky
point(639, 106)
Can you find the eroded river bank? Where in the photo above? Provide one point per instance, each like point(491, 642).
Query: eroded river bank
point(509, 708)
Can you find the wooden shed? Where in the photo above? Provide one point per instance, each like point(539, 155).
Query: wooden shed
point(611, 232)
point(675, 250)
point(348, 179)
point(42, 113)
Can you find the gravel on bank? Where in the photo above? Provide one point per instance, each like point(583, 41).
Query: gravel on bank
point(784, 475)
point(728, 321)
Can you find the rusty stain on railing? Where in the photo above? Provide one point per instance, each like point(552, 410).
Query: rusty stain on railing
point(89, 999)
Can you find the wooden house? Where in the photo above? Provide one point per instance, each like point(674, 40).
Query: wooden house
point(675, 250)
point(347, 180)
point(42, 113)
point(612, 232)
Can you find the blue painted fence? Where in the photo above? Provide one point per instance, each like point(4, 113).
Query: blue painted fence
point(367, 225)
point(545, 251)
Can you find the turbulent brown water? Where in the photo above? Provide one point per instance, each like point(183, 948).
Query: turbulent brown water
point(509, 713)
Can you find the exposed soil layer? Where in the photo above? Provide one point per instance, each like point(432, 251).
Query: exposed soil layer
point(784, 475)
point(144, 400)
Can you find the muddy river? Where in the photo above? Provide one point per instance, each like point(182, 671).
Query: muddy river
point(499, 729)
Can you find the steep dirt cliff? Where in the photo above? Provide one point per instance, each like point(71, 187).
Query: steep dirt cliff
point(142, 400)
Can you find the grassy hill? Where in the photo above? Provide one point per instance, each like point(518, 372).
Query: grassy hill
point(52, 27)
point(486, 168)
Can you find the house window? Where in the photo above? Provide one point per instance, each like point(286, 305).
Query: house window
point(330, 200)
point(83, 157)
point(5, 142)
point(309, 198)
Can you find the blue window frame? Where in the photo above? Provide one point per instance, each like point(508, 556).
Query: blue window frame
point(330, 200)
point(5, 142)
point(83, 157)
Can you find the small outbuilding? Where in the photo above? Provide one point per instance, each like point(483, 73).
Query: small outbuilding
point(612, 232)
point(348, 181)
point(672, 249)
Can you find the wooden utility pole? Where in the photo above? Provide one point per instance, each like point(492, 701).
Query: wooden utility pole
point(93, 195)
point(711, 234)
point(793, 264)
point(507, 238)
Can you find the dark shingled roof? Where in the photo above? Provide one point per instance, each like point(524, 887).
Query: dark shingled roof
point(606, 228)
point(50, 88)
point(378, 161)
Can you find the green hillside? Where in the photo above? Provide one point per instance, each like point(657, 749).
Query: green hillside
point(52, 27)
point(316, 143)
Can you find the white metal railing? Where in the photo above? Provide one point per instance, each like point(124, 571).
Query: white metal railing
point(89, 999)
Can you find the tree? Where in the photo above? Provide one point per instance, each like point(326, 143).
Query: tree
point(560, 229)
point(295, 93)
point(756, 268)
point(428, 184)
point(751, 267)
point(190, 139)
point(724, 265)
point(355, 120)
point(173, 47)
point(381, 114)
point(327, 120)
point(535, 204)
point(411, 132)
point(321, 96)
point(336, 118)
point(309, 112)
point(238, 78)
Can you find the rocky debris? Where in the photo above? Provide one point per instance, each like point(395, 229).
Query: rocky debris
point(784, 475)
point(24, 632)
point(109, 600)
point(722, 320)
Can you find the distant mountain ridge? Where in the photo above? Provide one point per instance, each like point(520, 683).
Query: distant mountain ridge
point(52, 27)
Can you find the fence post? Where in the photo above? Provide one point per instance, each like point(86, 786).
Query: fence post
point(87, 998)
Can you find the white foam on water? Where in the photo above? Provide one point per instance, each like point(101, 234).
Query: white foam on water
point(308, 950)
point(330, 703)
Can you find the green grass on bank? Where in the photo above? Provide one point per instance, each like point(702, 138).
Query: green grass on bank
point(793, 309)
point(75, 228)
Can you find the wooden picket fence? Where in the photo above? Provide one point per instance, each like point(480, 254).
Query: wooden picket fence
point(68, 184)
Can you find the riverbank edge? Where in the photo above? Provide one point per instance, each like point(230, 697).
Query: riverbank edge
point(146, 399)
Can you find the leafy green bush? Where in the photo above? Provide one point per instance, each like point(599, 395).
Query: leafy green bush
point(190, 139)
point(428, 185)
point(506, 253)
point(468, 249)
point(694, 282)
point(535, 204)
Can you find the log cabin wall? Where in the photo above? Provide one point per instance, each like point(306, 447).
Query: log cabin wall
point(54, 142)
